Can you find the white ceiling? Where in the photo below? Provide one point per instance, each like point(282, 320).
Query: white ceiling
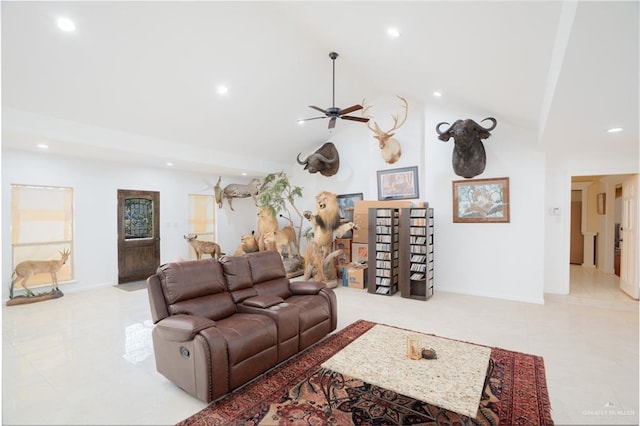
point(141, 77)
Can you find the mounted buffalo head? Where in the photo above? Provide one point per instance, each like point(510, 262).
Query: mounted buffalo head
point(325, 160)
point(469, 157)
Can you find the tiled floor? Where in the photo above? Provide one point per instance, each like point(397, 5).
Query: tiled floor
point(87, 358)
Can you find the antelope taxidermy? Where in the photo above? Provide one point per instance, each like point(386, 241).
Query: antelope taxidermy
point(24, 270)
point(203, 247)
point(389, 146)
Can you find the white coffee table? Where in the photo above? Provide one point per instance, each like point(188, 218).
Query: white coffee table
point(454, 381)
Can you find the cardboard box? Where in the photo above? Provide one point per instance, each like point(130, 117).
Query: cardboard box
point(357, 277)
point(343, 259)
point(361, 215)
point(342, 244)
point(361, 220)
point(360, 252)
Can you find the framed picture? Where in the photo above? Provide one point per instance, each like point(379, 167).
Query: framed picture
point(398, 184)
point(346, 205)
point(602, 203)
point(481, 200)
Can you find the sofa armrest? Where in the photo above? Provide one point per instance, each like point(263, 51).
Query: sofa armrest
point(306, 287)
point(262, 301)
point(182, 328)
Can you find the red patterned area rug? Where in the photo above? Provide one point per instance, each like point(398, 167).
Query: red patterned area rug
point(515, 394)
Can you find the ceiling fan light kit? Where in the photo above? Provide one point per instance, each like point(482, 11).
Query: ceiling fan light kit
point(333, 112)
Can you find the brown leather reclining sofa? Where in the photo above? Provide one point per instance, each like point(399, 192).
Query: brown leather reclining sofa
point(220, 323)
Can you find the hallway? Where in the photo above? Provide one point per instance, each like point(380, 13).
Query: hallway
point(591, 287)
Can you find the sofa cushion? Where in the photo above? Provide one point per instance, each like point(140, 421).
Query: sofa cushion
point(236, 272)
point(313, 309)
point(191, 279)
point(196, 287)
point(213, 306)
point(278, 287)
point(265, 265)
point(268, 274)
point(247, 335)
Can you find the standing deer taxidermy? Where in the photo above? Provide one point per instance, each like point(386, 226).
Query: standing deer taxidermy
point(203, 247)
point(389, 146)
point(24, 270)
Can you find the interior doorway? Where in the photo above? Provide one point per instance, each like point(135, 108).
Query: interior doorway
point(602, 230)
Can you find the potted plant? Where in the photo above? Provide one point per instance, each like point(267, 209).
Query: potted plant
point(278, 196)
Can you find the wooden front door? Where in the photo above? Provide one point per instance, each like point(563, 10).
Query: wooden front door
point(138, 234)
point(576, 249)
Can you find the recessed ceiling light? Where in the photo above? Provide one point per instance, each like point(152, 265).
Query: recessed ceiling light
point(66, 24)
point(42, 146)
point(437, 94)
point(169, 163)
point(615, 130)
point(223, 90)
point(393, 32)
point(300, 121)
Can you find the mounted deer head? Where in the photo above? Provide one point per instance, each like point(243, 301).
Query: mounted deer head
point(390, 147)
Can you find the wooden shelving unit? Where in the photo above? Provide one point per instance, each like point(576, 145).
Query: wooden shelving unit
point(384, 250)
point(416, 252)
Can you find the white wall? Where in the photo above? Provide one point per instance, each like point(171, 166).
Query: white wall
point(95, 184)
point(560, 167)
point(500, 260)
point(519, 260)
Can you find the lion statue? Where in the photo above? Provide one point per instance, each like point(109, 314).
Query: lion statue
point(281, 239)
point(248, 244)
point(266, 223)
point(325, 221)
point(318, 267)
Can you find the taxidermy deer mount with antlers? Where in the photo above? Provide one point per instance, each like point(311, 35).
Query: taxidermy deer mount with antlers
point(389, 146)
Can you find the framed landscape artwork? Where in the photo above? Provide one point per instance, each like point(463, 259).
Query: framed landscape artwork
point(398, 184)
point(481, 200)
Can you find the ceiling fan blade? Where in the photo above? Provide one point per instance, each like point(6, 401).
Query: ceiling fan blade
point(332, 122)
point(360, 119)
point(312, 118)
point(350, 109)
point(318, 109)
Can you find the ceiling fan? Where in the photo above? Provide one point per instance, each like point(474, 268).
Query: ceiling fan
point(334, 112)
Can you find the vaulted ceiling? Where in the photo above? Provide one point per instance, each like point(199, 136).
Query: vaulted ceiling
point(138, 81)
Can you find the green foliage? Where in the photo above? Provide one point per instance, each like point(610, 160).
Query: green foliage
point(277, 195)
point(276, 192)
